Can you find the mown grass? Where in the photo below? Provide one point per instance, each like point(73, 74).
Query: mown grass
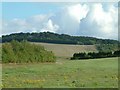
point(97, 73)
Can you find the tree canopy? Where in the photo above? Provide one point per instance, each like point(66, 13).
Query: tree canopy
point(49, 37)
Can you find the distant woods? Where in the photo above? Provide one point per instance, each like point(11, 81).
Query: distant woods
point(25, 52)
point(107, 47)
point(49, 37)
point(94, 55)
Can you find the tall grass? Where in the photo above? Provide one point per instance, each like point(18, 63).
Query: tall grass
point(24, 52)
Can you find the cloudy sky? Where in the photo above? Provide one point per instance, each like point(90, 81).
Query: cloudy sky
point(83, 19)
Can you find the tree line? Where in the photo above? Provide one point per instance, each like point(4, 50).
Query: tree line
point(94, 55)
point(50, 37)
point(25, 52)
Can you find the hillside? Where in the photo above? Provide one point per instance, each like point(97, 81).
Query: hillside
point(49, 37)
point(64, 50)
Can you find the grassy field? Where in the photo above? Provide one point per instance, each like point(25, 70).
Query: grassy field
point(96, 73)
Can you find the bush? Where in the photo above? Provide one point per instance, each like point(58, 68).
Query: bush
point(92, 55)
point(24, 52)
point(117, 53)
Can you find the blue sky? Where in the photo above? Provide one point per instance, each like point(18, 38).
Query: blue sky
point(26, 9)
point(1, 6)
point(84, 19)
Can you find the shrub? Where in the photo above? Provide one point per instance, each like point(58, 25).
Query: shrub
point(25, 52)
point(92, 55)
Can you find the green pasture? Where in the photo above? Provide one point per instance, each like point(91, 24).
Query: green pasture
point(65, 73)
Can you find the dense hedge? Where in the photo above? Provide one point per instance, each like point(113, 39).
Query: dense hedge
point(24, 52)
point(92, 55)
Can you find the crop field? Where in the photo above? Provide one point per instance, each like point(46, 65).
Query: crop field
point(94, 73)
point(64, 50)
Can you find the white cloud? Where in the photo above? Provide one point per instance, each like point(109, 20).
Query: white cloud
point(78, 11)
point(49, 26)
point(105, 20)
point(69, 18)
point(36, 22)
point(101, 23)
point(15, 25)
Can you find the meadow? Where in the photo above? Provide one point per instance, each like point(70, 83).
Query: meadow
point(65, 73)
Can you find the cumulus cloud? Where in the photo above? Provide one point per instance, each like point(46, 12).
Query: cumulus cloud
point(50, 27)
point(37, 22)
point(69, 18)
point(78, 11)
point(93, 19)
point(100, 23)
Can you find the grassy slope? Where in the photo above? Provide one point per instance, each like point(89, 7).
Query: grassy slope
point(63, 50)
point(64, 73)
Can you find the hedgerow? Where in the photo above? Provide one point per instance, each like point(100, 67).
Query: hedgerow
point(93, 55)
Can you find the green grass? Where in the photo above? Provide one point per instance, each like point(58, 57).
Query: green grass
point(96, 73)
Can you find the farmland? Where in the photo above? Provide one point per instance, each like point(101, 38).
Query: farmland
point(64, 50)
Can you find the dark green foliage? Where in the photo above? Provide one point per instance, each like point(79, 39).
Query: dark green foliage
point(49, 37)
point(80, 56)
point(107, 47)
point(117, 53)
point(20, 52)
point(93, 55)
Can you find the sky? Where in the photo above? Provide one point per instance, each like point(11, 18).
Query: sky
point(80, 19)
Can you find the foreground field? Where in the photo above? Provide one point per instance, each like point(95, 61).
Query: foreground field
point(96, 73)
